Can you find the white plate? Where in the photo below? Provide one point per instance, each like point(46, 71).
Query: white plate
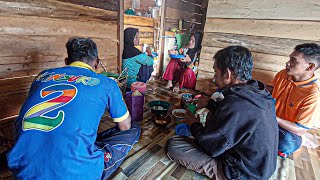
point(179, 113)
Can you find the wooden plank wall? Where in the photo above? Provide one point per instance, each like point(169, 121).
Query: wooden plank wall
point(185, 10)
point(145, 26)
point(270, 29)
point(33, 36)
point(111, 5)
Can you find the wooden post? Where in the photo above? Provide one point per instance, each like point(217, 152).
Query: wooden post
point(161, 38)
point(120, 33)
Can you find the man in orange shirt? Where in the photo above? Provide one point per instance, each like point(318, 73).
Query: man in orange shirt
point(297, 93)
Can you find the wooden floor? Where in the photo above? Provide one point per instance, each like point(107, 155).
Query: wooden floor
point(147, 159)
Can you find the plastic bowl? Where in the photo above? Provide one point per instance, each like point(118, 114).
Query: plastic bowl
point(154, 54)
point(159, 107)
point(177, 56)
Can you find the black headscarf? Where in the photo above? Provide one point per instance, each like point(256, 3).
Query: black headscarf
point(197, 45)
point(129, 50)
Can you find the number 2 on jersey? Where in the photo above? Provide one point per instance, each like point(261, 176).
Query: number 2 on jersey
point(35, 117)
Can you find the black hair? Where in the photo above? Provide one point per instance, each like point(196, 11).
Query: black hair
point(310, 51)
point(81, 49)
point(237, 59)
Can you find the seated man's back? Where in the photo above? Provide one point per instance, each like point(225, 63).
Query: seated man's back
point(59, 121)
point(243, 132)
point(57, 126)
point(240, 136)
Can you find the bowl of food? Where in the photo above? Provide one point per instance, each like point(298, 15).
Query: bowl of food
point(159, 107)
point(179, 114)
point(161, 120)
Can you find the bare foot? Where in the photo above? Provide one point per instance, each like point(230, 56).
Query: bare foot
point(168, 85)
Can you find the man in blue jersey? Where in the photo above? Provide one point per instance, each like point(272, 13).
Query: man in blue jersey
point(57, 125)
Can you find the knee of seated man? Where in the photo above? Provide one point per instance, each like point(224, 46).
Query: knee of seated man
point(170, 148)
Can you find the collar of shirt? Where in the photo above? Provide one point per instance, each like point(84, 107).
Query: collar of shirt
point(81, 65)
point(304, 83)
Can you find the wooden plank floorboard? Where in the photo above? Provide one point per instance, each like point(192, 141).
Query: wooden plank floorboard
point(159, 167)
point(178, 172)
point(139, 162)
point(149, 164)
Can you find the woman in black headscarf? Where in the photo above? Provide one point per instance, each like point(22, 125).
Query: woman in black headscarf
point(183, 70)
point(133, 58)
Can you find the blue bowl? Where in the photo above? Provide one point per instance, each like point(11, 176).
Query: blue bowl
point(154, 54)
point(177, 56)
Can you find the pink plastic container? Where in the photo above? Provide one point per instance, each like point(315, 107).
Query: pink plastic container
point(140, 86)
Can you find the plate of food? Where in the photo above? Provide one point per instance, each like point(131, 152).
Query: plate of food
point(177, 56)
point(179, 113)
